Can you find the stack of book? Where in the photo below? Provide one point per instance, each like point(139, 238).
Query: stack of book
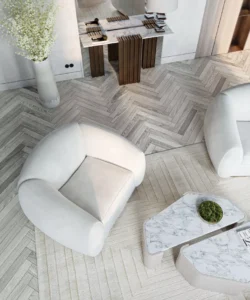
point(159, 20)
point(161, 16)
point(160, 24)
point(149, 15)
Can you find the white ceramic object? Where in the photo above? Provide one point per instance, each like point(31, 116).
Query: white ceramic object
point(166, 6)
point(46, 85)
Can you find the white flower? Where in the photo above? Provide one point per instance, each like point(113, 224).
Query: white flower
point(29, 25)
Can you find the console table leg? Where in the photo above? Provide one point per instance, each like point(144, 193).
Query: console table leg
point(152, 261)
point(149, 53)
point(96, 61)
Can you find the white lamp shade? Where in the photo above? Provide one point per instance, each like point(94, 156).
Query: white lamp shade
point(164, 6)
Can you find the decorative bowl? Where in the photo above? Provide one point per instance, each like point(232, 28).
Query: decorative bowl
point(210, 211)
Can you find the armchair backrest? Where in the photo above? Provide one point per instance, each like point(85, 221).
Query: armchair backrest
point(239, 99)
point(56, 157)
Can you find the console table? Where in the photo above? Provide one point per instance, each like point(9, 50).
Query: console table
point(129, 42)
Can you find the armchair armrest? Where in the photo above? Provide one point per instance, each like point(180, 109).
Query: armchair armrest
point(111, 147)
point(60, 218)
point(222, 136)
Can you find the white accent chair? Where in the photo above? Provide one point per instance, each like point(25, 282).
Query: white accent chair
point(227, 132)
point(76, 183)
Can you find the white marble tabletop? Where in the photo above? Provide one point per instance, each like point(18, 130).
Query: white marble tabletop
point(224, 256)
point(180, 222)
point(121, 28)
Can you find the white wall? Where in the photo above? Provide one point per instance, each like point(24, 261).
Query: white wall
point(13, 68)
point(16, 71)
point(185, 22)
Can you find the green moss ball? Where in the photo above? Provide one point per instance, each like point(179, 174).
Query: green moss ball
point(210, 211)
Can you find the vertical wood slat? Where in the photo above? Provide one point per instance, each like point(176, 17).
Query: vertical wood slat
point(139, 59)
point(92, 61)
point(154, 47)
point(101, 60)
point(96, 61)
point(144, 53)
point(136, 61)
point(149, 53)
point(149, 50)
point(121, 60)
point(113, 52)
point(132, 59)
point(126, 56)
point(130, 48)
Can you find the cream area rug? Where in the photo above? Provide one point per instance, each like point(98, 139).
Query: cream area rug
point(118, 272)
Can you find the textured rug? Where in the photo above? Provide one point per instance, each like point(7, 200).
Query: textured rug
point(118, 272)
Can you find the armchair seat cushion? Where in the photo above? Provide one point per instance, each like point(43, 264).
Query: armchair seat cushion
point(98, 187)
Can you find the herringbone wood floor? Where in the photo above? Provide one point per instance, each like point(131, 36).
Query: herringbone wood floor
point(164, 111)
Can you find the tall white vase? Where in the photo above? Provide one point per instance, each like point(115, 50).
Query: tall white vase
point(46, 85)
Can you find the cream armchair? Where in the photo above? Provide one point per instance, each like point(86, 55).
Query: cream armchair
point(227, 132)
point(76, 183)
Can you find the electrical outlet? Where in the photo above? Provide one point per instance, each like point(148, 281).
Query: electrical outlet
point(69, 66)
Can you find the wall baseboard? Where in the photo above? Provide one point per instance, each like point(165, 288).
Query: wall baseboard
point(32, 81)
point(169, 59)
point(75, 75)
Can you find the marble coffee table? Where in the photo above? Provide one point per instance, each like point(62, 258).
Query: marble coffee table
point(180, 223)
point(220, 263)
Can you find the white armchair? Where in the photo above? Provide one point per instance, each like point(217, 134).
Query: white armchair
point(227, 132)
point(76, 182)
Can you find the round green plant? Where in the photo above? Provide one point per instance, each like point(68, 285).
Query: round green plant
point(210, 211)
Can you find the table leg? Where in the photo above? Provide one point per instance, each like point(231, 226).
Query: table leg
point(96, 61)
point(149, 53)
point(152, 261)
point(241, 222)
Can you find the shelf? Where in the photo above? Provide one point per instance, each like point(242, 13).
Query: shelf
point(244, 13)
point(234, 48)
point(242, 28)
